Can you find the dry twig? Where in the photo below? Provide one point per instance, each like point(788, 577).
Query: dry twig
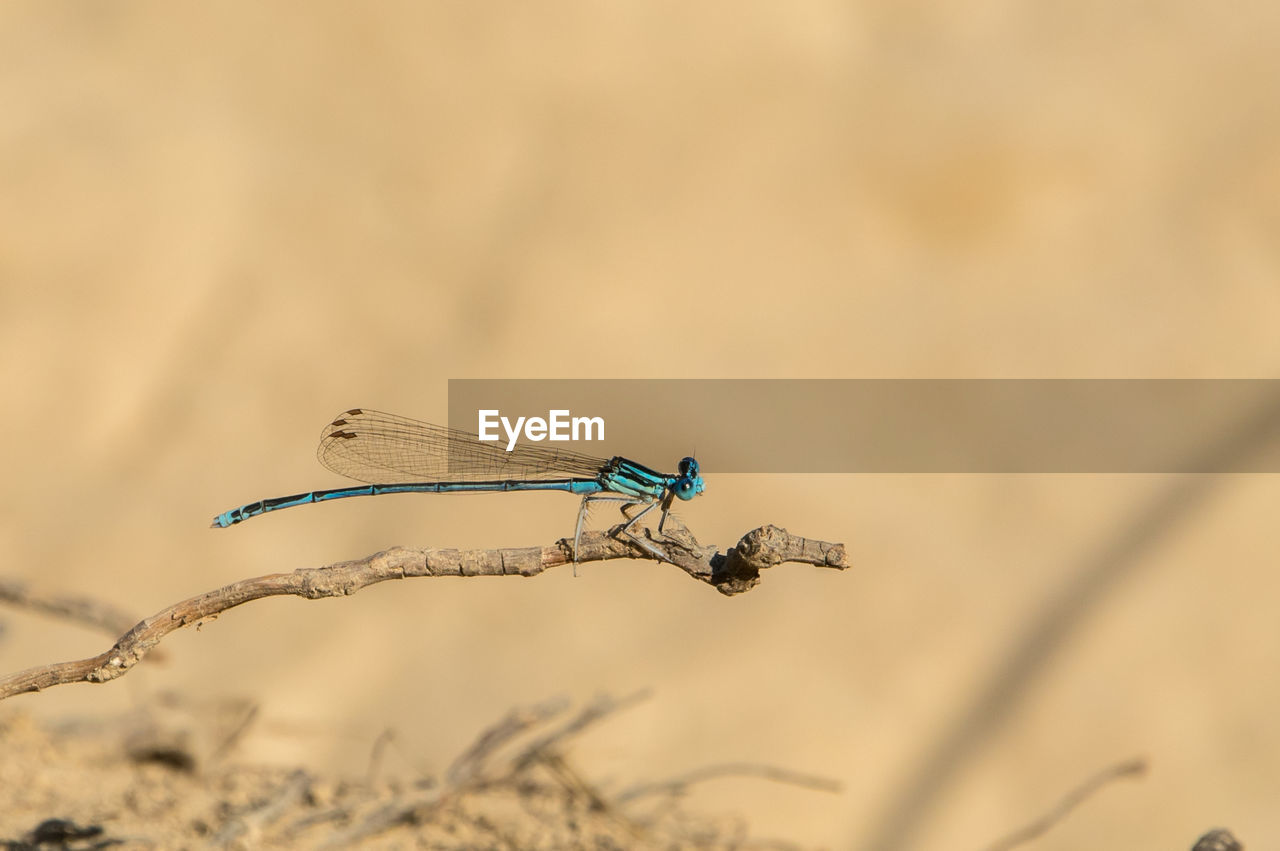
point(248, 827)
point(84, 610)
point(1073, 799)
point(733, 572)
point(680, 785)
point(474, 769)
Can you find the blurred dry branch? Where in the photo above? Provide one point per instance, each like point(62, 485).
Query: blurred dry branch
point(247, 829)
point(1116, 558)
point(733, 572)
point(84, 610)
point(539, 774)
point(680, 785)
point(1073, 799)
point(514, 786)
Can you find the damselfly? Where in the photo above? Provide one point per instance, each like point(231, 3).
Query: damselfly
point(398, 455)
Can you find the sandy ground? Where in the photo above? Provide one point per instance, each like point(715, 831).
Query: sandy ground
point(221, 225)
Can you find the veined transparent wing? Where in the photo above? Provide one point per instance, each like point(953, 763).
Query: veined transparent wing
point(375, 447)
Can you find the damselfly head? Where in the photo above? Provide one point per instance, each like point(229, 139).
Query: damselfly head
point(689, 484)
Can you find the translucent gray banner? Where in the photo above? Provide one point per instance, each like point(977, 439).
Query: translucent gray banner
point(903, 426)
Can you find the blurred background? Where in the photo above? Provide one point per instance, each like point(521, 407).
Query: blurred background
point(221, 225)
